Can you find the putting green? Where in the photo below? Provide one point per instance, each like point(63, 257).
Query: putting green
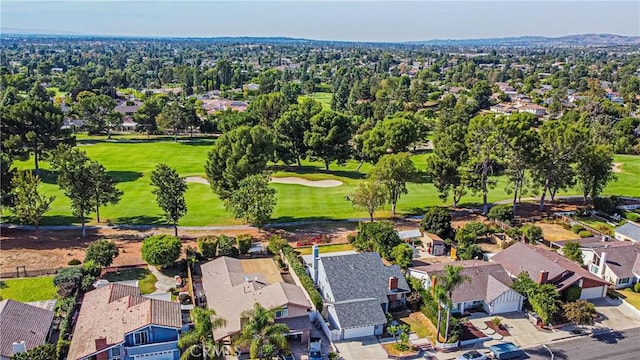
point(130, 159)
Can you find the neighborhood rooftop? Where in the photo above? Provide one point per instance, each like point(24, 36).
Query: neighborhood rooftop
point(22, 322)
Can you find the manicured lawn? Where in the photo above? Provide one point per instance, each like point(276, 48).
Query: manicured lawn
point(131, 158)
point(28, 289)
point(146, 280)
point(322, 97)
point(631, 297)
point(326, 249)
point(596, 223)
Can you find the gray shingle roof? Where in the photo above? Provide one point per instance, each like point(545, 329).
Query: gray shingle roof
point(22, 322)
point(359, 313)
point(629, 230)
point(623, 261)
point(361, 276)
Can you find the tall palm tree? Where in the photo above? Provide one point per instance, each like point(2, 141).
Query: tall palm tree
point(451, 280)
point(200, 338)
point(440, 296)
point(262, 333)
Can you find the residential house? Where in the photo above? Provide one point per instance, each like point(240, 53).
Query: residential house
point(22, 327)
point(548, 267)
point(534, 109)
point(505, 109)
point(116, 323)
point(232, 286)
point(618, 265)
point(489, 286)
point(628, 232)
point(358, 290)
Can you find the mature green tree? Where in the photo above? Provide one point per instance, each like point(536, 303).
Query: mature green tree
point(41, 352)
point(33, 126)
point(102, 252)
point(524, 285)
point(268, 108)
point(451, 279)
point(624, 133)
point(97, 112)
point(174, 116)
point(393, 171)
point(329, 136)
point(197, 342)
point(161, 250)
point(76, 181)
point(580, 312)
point(253, 200)
point(532, 232)
point(481, 93)
point(369, 195)
point(571, 251)
point(104, 187)
point(291, 127)
point(376, 236)
point(402, 255)
point(236, 155)
point(390, 135)
point(263, 335)
point(485, 150)
point(437, 220)
point(147, 114)
point(169, 189)
point(6, 179)
point(545, 301)
point(561, 141)
point(594, 170)
point(230, 119)
point(29, 204)
point(445, 166)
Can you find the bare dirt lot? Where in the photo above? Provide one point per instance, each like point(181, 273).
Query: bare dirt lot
point(554, 232)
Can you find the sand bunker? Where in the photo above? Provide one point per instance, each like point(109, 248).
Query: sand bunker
point(616, 167)
point(284, 180)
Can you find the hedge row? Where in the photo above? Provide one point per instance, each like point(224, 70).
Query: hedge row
point(305, 279)
point(68, 306)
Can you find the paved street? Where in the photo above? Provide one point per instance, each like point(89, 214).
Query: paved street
point(616, 345)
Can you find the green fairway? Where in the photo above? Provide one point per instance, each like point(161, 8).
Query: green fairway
point(322, 97)
point(28, 289)
point(130, 159)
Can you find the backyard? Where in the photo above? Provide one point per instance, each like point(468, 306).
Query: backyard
point(146, 280)
point(325, 249)
point(28, 289)
point(130, 160)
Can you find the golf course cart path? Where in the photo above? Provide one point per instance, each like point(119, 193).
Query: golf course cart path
point(277, 180)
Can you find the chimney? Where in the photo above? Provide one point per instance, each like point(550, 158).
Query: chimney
point(393, 283)
point(544, 277)
point(101, 343)
point(18, 347)
point(316, 258)
point(603, 261)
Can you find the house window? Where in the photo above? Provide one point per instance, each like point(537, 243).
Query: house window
point(114, 353)
point(141, 338)
point(282, 313)
point(623, 281)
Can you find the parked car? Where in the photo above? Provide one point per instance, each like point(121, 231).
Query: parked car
point(505, 351)
point(472, 355)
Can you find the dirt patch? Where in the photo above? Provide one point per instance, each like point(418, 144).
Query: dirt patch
point(616, 167)
point(275, 180)
point(553, 232)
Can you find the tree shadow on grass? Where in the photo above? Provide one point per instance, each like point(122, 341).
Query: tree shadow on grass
point(315, 170)
point(137, 220)
point(125, 176)
point(62, 220)
point(287, 219)
point(48, 176)
point(198, 142)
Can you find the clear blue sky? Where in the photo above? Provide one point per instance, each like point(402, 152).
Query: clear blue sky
point(328, 20)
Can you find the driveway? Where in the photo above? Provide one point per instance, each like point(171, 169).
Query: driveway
point(363, 348)
point(615, 315)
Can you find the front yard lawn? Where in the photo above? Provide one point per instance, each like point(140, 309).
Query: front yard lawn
point(419, 324)
point(631, 297)
point(28, 289)
point(326, 249)
point(146, 280)
point(390, 348)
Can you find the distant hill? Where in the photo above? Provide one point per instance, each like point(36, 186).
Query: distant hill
point(569, 40)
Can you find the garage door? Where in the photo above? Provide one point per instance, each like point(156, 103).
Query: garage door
point(505, 307)
point(161, 355)
point(358, 332)
point(592, 293)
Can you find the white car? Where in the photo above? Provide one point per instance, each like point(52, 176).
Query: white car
point(472, 355)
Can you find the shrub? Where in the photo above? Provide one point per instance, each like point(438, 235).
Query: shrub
point(42, 352)
point(532, 232)
point(438, 221)
point(87, 282)
point(73, 262)
point(636, 287)
point(192, 253)
point(576, 228)
point(276, 244)
point(502, 213)
point(585, 234)
point(243, 242)
point(513, 233)
point(92, 268)
point(305, 279)
point(631, 216)
point(225, 246)
point(496, 321)
point(68, 280)
point(208, 246)
point(161, 250)
point(572, 293)
point(607, 205)
point(101, 251)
